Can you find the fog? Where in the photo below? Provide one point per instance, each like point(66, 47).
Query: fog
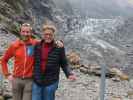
point(98, 8)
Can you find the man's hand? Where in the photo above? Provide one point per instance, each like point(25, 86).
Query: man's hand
point(72, 77)
point(10, 78)
point(59, 44)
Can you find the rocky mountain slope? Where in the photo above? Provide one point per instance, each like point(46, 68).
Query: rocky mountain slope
point(96, 39)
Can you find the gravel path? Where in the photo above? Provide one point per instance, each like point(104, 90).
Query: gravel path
point(87, 87)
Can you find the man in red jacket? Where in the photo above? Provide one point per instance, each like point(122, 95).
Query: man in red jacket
point(22, 52)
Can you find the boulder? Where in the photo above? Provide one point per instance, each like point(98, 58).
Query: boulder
point(73, 58)
point(119, 73)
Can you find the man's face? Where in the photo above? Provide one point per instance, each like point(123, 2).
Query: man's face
point(25, 33)
point(48, 35)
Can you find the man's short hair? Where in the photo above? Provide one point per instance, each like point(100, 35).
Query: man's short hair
point(26, 25)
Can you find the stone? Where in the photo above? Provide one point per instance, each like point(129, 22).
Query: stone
point(119, 73)
point(1, 98)
point(76, 66)
point(116, 79)
point(83, 70)
point(7, 88)
point(85, 66)
point(73, 58)
point(116, 98)
point(130, 94)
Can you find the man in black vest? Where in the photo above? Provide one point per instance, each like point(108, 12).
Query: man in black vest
point(48, 60)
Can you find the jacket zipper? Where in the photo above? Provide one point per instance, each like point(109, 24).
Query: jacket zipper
point(25, 59)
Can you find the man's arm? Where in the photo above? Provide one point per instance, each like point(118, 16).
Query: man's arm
point(67, 70)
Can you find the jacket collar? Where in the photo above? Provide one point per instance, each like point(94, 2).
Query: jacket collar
point(53, 43)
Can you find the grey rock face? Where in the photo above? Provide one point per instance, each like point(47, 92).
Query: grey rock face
point(106, 40)
point(5, 40)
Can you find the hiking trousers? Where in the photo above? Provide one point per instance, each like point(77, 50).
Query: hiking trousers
point(22, 88)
